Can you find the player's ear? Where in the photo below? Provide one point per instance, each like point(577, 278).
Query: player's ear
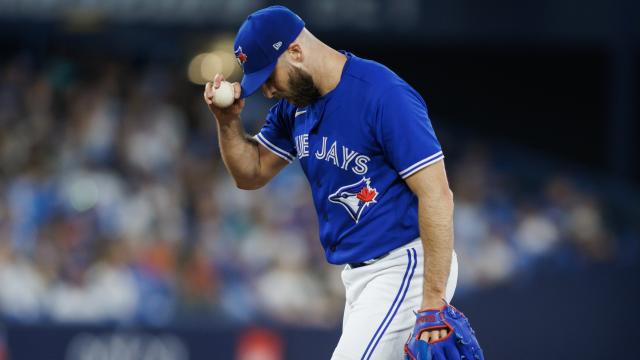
point(294, 53)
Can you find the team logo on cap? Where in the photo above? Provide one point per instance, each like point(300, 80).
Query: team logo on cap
point(241, 56)
point(355, 197)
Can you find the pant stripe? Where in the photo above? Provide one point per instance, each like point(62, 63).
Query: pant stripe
point(415, 262)
point(377, 335)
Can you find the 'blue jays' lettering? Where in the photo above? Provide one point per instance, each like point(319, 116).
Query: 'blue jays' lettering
point(340, 156)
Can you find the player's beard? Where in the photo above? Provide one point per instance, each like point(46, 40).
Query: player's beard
point(303, 91)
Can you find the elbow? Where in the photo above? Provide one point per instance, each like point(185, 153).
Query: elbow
point(248, 185)
point(443, 198)
point(447, 198)
point(444, 201)
point(444, 193)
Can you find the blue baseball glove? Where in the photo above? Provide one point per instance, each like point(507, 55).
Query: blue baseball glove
point(460, 342)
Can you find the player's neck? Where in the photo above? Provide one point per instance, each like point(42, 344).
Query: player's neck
point(329, 70)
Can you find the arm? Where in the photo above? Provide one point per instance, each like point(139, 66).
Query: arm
point(249, 163)
point(435, 216)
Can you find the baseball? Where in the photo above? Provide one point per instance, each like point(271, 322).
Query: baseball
point(224, 95)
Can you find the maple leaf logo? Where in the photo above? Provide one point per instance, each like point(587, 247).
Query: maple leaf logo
point(367, 194)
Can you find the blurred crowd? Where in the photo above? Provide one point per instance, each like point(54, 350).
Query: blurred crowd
point(115, 207)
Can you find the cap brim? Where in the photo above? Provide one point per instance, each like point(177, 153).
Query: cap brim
point(252, 82)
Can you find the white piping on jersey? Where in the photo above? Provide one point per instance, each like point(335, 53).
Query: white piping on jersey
point(421, 164)
point(273, 148)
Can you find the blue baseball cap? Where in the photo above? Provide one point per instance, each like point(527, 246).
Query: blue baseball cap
point(263, 37)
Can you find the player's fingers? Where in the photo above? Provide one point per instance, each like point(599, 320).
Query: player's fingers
point(237, 90)
point(207, 94)
point(425, 336)
point(434, 335)
point(443, 333)
point(217, 80)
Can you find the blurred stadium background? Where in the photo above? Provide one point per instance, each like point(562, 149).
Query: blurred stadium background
point(123, 237)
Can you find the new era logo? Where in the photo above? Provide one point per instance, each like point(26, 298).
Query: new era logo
point(277, 45)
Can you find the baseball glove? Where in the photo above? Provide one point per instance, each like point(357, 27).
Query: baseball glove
point(460, 342)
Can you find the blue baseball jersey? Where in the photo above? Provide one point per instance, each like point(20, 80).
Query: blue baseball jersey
point(356, 145)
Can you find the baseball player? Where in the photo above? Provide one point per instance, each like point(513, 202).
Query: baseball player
point(365, 142)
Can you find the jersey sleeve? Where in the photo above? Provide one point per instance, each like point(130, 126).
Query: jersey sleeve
point(275, 135)
point(404, 130)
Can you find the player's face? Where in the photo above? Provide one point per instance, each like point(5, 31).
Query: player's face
point(291, 83)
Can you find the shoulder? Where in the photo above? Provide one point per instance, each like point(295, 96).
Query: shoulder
point(383, 88)
point(375, 78)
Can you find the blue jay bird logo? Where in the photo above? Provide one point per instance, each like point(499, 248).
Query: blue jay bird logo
point(240, 55)
point(355, 197)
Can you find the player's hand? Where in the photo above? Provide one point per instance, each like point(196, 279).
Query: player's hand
point(433, 335)
point(442, 334)
point(437, 334)
point(226, 114)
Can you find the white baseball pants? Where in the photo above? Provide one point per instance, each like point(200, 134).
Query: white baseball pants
point(380, 302)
